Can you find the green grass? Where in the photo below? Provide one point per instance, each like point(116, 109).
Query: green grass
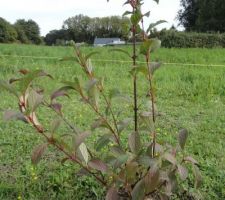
point(188, 96)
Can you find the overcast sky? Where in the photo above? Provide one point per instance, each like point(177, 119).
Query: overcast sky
point(50, 14)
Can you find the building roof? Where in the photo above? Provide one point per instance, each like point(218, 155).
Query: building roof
point(105, 40)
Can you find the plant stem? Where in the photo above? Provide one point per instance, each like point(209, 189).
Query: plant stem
point(71, 157)
point(134, 57)
point(152, 97)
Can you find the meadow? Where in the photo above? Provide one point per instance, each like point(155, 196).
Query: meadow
point(187, 96)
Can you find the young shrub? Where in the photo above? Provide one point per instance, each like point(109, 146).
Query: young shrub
point(134, 169)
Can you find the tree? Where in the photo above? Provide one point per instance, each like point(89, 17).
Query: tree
point(7, 32)
point(29, 29)
point(84, 29)
point(55, 35)
point(202, 15)
point(211, 16)
point(189, 14)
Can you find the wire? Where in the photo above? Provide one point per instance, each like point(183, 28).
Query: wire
point(117, 61)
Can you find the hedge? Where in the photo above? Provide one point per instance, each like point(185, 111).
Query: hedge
point(173, 38)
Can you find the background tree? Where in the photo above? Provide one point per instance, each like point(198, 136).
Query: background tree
point(202, 15)
point(30, 30)
point(7, 32)
point(55, 35)
point(188, 15)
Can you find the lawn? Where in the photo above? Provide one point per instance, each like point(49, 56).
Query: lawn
point(187, 96)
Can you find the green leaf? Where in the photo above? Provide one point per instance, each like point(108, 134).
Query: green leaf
point(70, 58)
point(131, 170)
point(134, 142)
point(182, 137)
point(127, 13)
point(112, 194)
point(8, 87)
point(149, 45)
point(116, 150)
point(102, 141)
point(119, 160)
point(91, 54)
point(182, 171)
point(152, 179)
point(154, 66)
point(138, 192)
point(98, 165)
point(198, 177)
point(13, 115)
point(123, 124)
point(146, 161)
point(121, 51)
point(153, 25)
point(92, 91)
point(76, 85)
point(29, 77)
point(136, 17)
point(139, 69)
point(157, 1)
point(55, 124)
point(147, 14)
point(114, 93)
point(34, 100)
point(169, 157)
point(38, 153)
point(99, 123)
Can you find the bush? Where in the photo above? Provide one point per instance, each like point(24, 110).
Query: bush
point(173, 38)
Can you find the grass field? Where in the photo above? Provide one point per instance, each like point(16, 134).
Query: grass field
point(188, 96)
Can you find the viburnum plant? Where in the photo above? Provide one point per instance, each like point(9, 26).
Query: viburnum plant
point(133, 169)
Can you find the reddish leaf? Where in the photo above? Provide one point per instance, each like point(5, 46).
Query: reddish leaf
point(182, 137)
point(10, 115)
point(198, 177)
point(34, 100)
point(37, 153)
point(58, 93)
point(57, 107)
point(138, 193)
point(80, 139)
point(183, 172)
point(55, 124)
point(98, 165)
point(134, 142)
point(190, 159)
point(152, 179)
point(112, 194)
point(23, 71)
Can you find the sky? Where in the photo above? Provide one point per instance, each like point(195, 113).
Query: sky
point(50, 14)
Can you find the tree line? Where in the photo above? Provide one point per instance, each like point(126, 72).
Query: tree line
point(21, 31)
point(195, 16)
point(81, 28)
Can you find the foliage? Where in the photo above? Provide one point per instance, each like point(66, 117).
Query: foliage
point(137, 168)
point(29, 31)
point(82, 28)
point(202, 15)
point(175, 39)
point(7, 32)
